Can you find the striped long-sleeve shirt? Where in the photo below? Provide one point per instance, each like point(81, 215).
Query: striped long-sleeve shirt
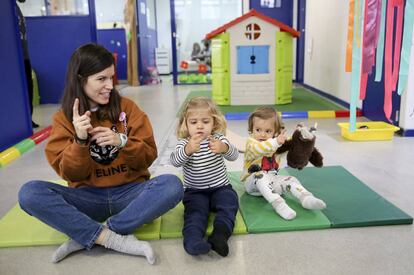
point(255, 151)
point(203, 169)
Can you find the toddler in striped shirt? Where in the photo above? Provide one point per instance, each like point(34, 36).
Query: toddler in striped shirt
point(201, 151)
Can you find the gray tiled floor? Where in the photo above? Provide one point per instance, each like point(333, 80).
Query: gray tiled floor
point(383, 166)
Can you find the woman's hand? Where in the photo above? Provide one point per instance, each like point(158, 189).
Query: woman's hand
point(82, 123)
point(105, 136)
point(217, 146)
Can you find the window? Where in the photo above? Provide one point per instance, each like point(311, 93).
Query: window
point(54, 7)
point(252, 31)
point(271, 3)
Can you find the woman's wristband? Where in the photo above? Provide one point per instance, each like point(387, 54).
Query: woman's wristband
point(81, 141)
point(123, 139)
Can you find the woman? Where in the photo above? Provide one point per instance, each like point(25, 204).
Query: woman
point(102, 144)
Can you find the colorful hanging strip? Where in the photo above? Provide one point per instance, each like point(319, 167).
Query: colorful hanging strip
point(363, 85)
point(369, 41)
point(378, 21)
point(390, 71)
point(380, 46)
point(348, 58)
point(388, 62)
point(397, 46)
point(359, 12)
point(406, 46)
point(369, 37)
point(356, 64)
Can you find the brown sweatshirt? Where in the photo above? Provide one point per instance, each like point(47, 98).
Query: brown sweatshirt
point(73, 162)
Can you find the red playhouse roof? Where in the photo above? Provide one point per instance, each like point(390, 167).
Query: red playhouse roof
point(251, 13)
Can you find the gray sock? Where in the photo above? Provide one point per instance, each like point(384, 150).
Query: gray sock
point(65, 249)
point(128, 244)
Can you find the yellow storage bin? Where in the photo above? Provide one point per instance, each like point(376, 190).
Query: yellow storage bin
point(369, 131)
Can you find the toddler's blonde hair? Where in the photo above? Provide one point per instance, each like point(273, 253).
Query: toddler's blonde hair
point(201, 102)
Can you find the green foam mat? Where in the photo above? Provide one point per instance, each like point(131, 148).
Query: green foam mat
point(260, 217)
point(302, 100)
point(150, 231)
point(172, 223)
point(20, 229)
point(350, 203)
point(17, 228)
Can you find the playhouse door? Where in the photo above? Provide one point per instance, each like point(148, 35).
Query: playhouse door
point(147, 40)
point(252, 59)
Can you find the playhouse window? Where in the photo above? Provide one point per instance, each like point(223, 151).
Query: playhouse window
point(252, 31)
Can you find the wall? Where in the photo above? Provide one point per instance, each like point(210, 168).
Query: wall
point(326, 33)
point(407, 99)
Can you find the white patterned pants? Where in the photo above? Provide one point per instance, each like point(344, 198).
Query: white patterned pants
point(271, 186)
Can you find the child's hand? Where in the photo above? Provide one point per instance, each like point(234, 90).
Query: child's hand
point(281, 138)
point(217, 146)
point(193, 144)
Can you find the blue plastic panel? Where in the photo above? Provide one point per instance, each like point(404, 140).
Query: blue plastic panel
point(114, 40)
point(14, 101)
point(52, 40)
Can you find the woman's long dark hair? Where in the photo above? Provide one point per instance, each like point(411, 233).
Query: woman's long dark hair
point(87, 60)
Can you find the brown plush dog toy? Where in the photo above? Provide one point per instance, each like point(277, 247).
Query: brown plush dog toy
point(301, 148)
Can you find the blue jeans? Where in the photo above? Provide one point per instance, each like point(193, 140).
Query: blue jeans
point(79, 212)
